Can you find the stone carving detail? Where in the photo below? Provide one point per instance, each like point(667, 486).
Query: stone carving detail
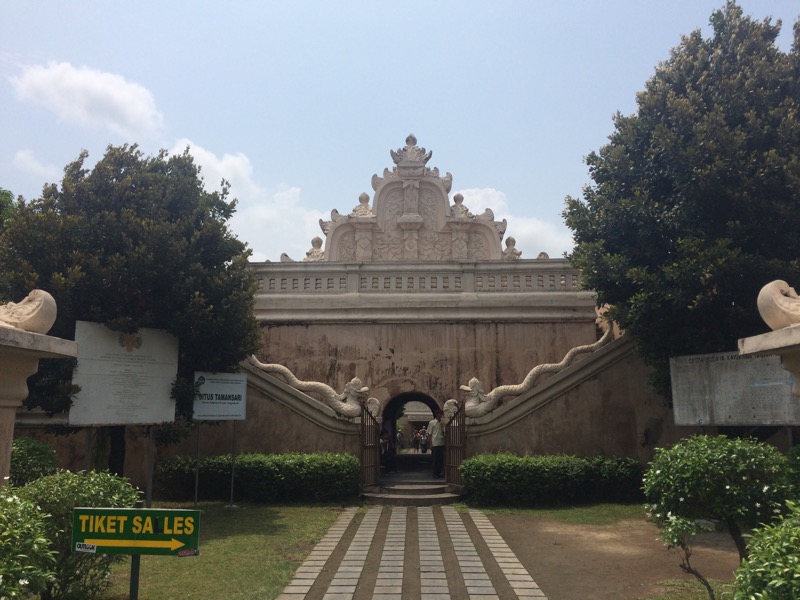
point(477, 248)
point(348, 403)
point(410, 219)
point(316, 252)
point(511, 252)
point(35, 313)
point(363, 209)
point(411, 152)
point(779, 305)
point(479, 402)
point(458, 209)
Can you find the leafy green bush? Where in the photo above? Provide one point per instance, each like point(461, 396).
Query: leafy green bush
point(27, 563)
point(31, 459)
point(613, 479)
point(77, 575)
point(740, 482)
point(772, 568)
point(794, 469)
point(290, 477)
point(543, 480)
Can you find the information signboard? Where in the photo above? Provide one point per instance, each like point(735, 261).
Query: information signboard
point(125, 379)
point(136, 531)
point(727, 388)
point(221, 396)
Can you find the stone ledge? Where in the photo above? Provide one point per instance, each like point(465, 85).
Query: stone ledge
point(36, 344)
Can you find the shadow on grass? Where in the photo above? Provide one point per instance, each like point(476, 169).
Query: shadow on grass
point(219, 521)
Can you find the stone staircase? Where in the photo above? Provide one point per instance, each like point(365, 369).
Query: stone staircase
point(411, 485)
point(411, 493)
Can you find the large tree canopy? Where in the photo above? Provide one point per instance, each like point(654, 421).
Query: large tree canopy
point(134, 242)
point(695, 201)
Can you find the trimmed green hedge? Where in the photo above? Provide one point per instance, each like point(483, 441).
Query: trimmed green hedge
point(550, 480)
point(290, 477)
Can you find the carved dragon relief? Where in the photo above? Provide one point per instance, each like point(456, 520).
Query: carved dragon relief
point(347, 404)
point(478, 402)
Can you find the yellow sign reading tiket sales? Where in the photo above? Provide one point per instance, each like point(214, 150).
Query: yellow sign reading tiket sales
point(136, 531)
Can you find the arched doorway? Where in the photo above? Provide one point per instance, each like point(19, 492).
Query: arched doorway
point(405, 414)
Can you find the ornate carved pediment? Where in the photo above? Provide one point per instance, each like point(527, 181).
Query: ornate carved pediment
point(411, 219)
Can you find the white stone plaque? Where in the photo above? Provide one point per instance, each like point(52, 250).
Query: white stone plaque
point(727, 388)
point(125, 379)
point(222, 396)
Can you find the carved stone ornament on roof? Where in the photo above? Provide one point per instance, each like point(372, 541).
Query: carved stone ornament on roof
point(411, 219)
point(511, 252)
point(411, 153)
point(363, 209)
point(316, 252)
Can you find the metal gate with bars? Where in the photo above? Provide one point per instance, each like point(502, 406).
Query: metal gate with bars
point(455, 447)
point(370, 449)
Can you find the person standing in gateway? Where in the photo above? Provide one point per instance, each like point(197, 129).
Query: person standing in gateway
point(436, 436)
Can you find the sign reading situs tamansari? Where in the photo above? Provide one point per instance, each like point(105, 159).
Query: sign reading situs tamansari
point(136, 531)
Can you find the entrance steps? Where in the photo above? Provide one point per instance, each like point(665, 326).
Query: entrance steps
point(421, 492)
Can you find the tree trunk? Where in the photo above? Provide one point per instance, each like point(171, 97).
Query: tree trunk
point(738, 538)
point(116, 451)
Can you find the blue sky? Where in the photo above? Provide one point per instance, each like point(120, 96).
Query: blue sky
point(298, 103)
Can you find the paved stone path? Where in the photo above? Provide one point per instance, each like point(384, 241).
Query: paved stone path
point(411, 553)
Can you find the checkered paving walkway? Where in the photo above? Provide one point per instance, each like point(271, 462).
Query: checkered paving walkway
point(410, 553)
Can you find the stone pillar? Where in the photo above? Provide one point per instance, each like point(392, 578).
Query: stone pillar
point(20, 352)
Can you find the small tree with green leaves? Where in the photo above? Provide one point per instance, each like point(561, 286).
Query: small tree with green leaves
point(772, 568)
point(738, 482)
point(693, 205)
point(77, 575)
point(136, 241)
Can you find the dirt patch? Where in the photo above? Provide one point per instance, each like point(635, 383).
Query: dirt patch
point(624, 561)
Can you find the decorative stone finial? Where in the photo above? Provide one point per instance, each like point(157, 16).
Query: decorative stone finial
point(36, 313)
point(411, 153)
point(779, 305)
point(363, 209)
point(511, 252)
point(316, 253)
point(458, 209)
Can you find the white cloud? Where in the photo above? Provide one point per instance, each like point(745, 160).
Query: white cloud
point(90, 98)
point(271, 222)
point(532, 235)
point(26, 161)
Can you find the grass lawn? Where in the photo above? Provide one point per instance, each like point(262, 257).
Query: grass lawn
point(245, 553)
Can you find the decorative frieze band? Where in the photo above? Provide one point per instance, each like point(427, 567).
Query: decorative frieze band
point(300, 278)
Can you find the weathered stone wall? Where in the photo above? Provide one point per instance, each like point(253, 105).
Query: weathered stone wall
point(613, 413)
point(431, 358)
point(270, 427)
